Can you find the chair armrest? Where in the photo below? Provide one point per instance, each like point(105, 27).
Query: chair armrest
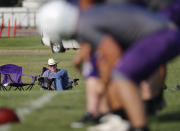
point(34, 78)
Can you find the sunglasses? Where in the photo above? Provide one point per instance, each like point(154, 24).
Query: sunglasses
point(52, 65)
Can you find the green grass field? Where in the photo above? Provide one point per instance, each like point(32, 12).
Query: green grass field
point(69, 106)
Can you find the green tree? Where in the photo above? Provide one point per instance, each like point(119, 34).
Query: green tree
point(10, 3)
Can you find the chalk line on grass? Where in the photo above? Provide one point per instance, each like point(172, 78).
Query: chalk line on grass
point(22, 112)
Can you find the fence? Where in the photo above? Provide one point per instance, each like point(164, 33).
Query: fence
point(24, 17)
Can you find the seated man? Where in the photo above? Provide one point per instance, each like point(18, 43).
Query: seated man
point(56, 79)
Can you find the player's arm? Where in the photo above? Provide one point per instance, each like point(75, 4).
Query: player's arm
point(83, 55)
point(109, 52)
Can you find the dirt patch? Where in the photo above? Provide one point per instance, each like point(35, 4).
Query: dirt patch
point(24, 51)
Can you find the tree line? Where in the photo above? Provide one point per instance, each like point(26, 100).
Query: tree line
point(10, 3)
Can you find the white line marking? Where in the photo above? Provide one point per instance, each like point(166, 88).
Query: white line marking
point(22, 112)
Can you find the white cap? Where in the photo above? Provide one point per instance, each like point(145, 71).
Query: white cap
point(51, 61)
point(57, 19)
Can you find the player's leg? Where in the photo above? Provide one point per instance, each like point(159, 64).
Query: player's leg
point(138, 63)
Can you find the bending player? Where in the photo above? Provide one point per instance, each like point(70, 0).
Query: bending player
point(101, 36)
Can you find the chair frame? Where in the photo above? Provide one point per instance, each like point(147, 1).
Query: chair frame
point(19, 85)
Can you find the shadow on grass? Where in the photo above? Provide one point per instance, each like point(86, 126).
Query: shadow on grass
point(169, 117)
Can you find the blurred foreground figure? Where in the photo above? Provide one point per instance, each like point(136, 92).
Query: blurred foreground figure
point(107, 37)
point(7, 116)
point(96, 101)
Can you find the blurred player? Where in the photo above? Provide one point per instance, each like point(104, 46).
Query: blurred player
point(95, 36)
point(96, 103)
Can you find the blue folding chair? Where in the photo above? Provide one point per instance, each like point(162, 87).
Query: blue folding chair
point(12, 75)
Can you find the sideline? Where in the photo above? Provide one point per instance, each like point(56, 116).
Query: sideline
point(24, 51)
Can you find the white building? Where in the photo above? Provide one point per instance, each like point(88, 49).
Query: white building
point(25, 16)
point(33, 3)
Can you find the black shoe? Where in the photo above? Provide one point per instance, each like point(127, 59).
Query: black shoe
point(88, 118)
point(75, 81)
point(121, 113)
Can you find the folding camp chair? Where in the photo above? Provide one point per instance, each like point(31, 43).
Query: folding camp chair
point(42, 80)
point(1, 86)
point(12, 75)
